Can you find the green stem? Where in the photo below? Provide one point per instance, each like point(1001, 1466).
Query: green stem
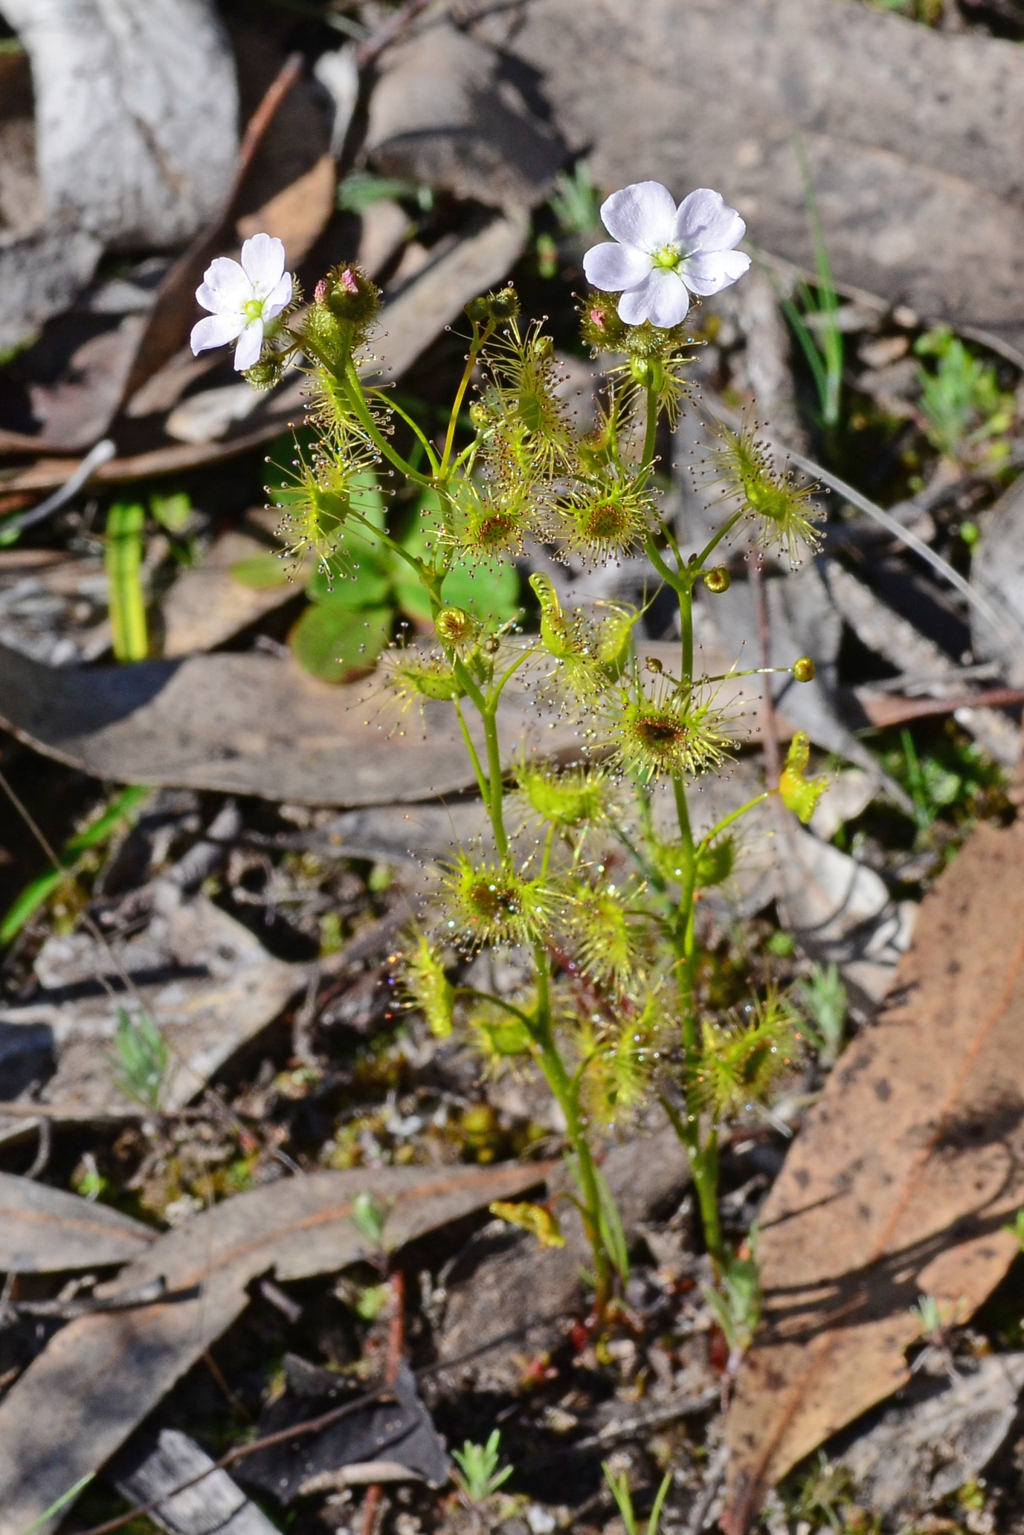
point(481, 777)
point(467, 373)
point(497, 785)
point(354, 389)
point(716, 539)
point(566, 1094)
point(424, 441)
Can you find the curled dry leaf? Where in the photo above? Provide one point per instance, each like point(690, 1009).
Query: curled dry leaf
point(100, 1376)
point(902, 1180)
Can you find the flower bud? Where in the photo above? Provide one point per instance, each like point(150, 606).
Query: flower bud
point(600, 325)
point(350, 295)
point(457, 628)
point(266, 374)
point(717, 579)
point(804, 669)
point(653, 664)
point(479, 310)
point(504, 305)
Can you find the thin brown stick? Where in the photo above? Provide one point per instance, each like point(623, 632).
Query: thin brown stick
point(368, 52)
point(396, 1348)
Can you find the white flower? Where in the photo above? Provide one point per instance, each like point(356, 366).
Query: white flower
point(664, 250)
point(241, 298)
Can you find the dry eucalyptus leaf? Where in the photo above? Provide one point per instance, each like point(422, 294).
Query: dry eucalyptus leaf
point(119, 87)
point(101, 1375)
point(47, 1231)
point(152, 1465)
point(204, 980)
point(901, 1181)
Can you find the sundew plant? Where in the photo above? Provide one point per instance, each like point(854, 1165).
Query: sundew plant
point(574, 880)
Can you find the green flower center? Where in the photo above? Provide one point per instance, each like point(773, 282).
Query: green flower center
point(253, 309)
point(668, 257)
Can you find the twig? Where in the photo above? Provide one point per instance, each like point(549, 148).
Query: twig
point(712, 1481)
point(628, 1428)
point(396, 1347)
point(42, 1155)
point(368, 52)
point(100, 454)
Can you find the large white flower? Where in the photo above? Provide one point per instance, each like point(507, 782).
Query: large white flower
point(241, 298)
point(663, 251)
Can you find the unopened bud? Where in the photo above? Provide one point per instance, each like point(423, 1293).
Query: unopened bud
point(456, 627)
point(717, 579)
point(264, 374)
point(653, 664)
point(479, 310)
point(350, 295)
point(804, 669)
point(505, 305)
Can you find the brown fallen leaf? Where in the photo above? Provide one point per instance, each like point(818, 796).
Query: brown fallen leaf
point(902, 1180)
point(46, 1231)
point(100, 1376)
point(207, 604)
point(250, 723)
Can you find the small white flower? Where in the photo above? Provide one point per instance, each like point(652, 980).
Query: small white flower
point(664, 250)
point(241, 298)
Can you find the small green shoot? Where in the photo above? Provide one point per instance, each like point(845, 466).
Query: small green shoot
point(935, 1318)
point(362, 188)
point(369, 1217)
point(71, 857)
point(371, 1301)
point(624, 1498)
point(576, 202)
point(478, 1476)
point(737, 1304)
point(814, 321)
point(172, 512)
point(1016, 1228)
point(822, 997)
point(61, 1503)
point(123, 560)
point(967, 415)
point(142, 1059)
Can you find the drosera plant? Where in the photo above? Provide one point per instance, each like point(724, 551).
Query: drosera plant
point(582, 880)
point(822, 997)
point(141, 1059)
point(966, 415)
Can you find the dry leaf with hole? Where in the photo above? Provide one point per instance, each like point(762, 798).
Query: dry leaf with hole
point(902, 1180)
point(100, 1376)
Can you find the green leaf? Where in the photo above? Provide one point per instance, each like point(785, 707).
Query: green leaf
point(172, 512)
point(261, 571)
point(336, 643)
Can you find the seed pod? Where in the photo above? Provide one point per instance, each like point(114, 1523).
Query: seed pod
point(718, 579)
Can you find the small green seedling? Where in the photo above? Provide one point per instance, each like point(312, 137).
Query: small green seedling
point(478, 1476)
point(624, 1498)
point(369, 1217)
point(822, 996)
point(1016, 1228)
point(814, 320)
point(142, 1059)
point(737, 1304)
point(966, 414)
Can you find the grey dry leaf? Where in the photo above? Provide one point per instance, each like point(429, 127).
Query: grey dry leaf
point(901, 1181)
point(934, 1439)
point(98, 1378)
point(49, 1231)
point(149, 1466)
point(119, 88)
point(910, 133)
point(204, 980)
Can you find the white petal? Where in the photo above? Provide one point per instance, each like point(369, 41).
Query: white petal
point(263, 261)
point(279, 298)
point(706, 222)
point(662, 298)
point(215, 330)
point(614, 267)
point(225, 287)
point(250, 345)
point(643, 214)
point(711, 271)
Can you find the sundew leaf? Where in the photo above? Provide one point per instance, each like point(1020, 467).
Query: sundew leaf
point(336, 642)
